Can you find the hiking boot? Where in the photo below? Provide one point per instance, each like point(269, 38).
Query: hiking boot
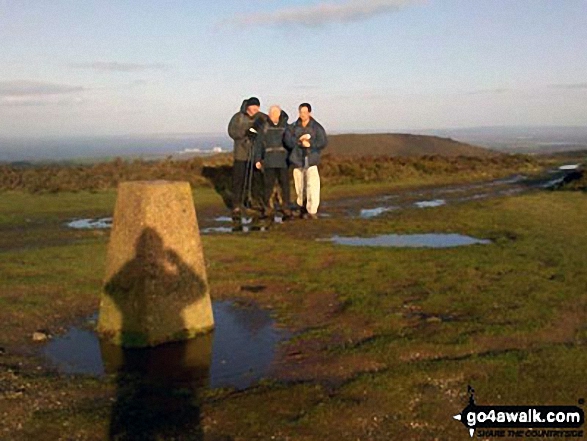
point(237, 221)
point(287, 215)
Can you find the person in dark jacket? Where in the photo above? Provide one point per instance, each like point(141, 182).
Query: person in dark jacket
point(306, 138)
point(243, 128)
point(271, 155)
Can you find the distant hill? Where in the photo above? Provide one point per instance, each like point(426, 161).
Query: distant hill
point(391, 144)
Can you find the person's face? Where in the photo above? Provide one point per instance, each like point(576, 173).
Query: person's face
point(252, 110)
point(304, 114)
point(274, 114)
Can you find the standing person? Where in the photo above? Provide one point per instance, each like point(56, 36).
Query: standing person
point(243, 130)
point(307, 138)
point(271, 155)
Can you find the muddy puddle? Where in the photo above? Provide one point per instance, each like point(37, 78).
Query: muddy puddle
point(431, 240)
point(367, 213)
point(430, 204)
point(238, 353)
point(90, 224)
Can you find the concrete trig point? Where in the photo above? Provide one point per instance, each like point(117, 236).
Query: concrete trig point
point(155, 289)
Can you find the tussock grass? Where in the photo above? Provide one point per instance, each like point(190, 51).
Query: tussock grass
point(216, 171)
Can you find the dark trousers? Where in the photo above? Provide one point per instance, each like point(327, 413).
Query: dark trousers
point(239, 173)
point(280, 175)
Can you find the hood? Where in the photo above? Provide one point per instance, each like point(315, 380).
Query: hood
point(283, 117)
point(244, 106)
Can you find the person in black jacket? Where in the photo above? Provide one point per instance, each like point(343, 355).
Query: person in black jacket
point(243, 128)
point(306, 138)
point(271, 155)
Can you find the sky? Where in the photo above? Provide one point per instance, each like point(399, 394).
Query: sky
point(141, 67)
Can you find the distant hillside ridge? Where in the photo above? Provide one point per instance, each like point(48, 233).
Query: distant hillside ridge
point(401, 145)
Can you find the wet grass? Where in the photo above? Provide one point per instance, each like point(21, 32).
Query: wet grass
point(386, 339)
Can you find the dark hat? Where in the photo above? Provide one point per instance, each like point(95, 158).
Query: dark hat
point(253, 101)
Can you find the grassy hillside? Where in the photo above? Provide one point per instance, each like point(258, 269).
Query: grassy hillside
point(385, 342)
point(388, 144)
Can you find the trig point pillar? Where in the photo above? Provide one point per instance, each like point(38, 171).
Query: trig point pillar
point(155, 289)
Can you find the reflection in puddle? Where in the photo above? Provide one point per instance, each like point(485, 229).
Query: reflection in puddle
point(82, 224)
point(158, 390)
point(242, 348)
point(553, 182)
point(216, 230)
point(510, 180)
point(368, 213)
point(474, 197)
point(410, 240)
point(225, 230)
point(570, 167)
point(430, 204)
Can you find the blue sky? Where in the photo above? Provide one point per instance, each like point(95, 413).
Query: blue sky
point(101, 67)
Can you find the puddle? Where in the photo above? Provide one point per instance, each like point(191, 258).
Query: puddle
point(368, 213)
point(430, 204)
point(474, 197)
point(237, 354)
point(410, 240)
point(510, 180)
point(106, 222)
point(224, 230)
point(216, 230)
point(570, 167)
point(82, 224)
point(553, 182)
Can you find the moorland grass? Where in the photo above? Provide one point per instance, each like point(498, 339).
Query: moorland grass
point(509, 317)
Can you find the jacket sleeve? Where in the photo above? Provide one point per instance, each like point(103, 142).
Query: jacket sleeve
point(289, 138)
point(320, 141)
point(284, 139)
point(235, 128)
point(259, 148)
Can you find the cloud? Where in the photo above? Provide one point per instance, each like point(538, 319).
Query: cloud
point(115, 66)
point(571, 86)
point(497, 91)
point(37, 93)
point(20, 88)
point(323, 13)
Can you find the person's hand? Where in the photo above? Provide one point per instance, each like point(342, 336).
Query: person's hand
point(258, 165)
point(251, 133)
point(306, 143)
point(305, 137)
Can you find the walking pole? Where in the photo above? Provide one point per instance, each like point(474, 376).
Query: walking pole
point(248, 183)
point(305, 182)
point(305, 176)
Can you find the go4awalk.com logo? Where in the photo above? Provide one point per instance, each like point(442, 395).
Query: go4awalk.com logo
point(522, 421)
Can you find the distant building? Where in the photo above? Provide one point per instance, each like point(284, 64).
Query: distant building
point(190, 151)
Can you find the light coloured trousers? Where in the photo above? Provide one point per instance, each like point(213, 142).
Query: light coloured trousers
point(312, 187)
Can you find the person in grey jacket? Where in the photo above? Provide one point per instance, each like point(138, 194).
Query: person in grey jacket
point(271, 155)
point(306, 138)
point(243, 129)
